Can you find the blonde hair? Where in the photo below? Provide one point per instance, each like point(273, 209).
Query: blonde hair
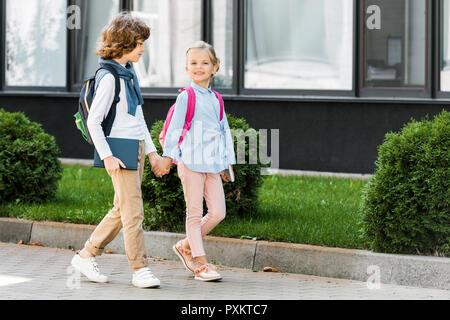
point(208, 48)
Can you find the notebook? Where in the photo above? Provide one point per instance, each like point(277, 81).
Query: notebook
point(229, 173)
point(126, 150)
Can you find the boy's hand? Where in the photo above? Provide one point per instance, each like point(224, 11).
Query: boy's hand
point(154, 158)
point(112, 165)
point(157, 167)
point(164, 165)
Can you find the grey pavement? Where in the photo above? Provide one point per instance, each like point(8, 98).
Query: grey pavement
point(32, 272)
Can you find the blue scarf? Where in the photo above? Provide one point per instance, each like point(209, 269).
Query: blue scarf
point(134, 97)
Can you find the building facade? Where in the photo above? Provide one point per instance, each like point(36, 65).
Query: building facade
point(334, 76)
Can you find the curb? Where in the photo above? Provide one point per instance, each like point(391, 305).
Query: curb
point(359, 265)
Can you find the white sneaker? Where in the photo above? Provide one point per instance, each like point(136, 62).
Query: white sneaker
point(144, 278)
point(89, 268)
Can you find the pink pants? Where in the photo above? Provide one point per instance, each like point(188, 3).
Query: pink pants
point(197, 185)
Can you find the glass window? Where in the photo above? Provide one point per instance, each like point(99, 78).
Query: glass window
point(299, 44)
point(36, 43)
point(445, 46)
point(94, 16)
point(223, 41)
point(395, 43)
point(175, 25)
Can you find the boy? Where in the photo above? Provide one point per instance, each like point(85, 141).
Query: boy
point(122, 43)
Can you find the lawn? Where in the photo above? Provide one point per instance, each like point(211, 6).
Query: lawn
point(320, 211)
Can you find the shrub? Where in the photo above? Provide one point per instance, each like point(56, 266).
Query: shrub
point(29, 167)
point(164, 198)
point(406, 203)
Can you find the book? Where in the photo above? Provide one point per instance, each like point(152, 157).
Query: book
point(127, 150)
point(229, 173)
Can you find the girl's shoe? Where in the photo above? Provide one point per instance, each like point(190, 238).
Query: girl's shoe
point(144, 278)
point(207, 272)
point(185, 256)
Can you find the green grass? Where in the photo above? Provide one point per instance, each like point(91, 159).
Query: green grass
point(84, 195)
point(320, 211)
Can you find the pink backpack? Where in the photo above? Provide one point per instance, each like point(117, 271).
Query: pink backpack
point(189, 116)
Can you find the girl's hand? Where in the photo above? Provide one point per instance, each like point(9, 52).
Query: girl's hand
point(224, 176)
point(162, 167)
point(112, 165)
point(155, 160)
point(165, 164)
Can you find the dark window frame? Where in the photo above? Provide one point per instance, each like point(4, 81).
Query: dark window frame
point(73, 84)
point(205, 31)
point(209, 38)
point(294, 92)
point(398, 92)
point(432, 69)
point(2, 43)
point(7, 88)
point(438, 42)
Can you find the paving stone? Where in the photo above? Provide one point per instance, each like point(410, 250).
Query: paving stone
point(28, 272)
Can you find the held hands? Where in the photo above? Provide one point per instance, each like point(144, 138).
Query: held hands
point(160, 165)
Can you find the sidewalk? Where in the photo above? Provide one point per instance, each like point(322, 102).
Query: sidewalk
point(358, 265)
point(32, 272)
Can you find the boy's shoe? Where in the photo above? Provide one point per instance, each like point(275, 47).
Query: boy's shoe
point(207, 272)
point(89, 268)
point(185, 256)
point(144, 278)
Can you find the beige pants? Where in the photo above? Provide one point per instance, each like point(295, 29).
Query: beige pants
point(128, 212)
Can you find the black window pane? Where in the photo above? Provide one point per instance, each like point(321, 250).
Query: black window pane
point(94, 16)
point(395, 43)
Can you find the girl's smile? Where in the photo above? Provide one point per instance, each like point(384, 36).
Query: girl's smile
point(199, 67)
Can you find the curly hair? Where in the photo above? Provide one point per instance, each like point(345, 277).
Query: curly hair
point(121, 36)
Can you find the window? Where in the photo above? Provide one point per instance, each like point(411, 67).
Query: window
point(36, 43)
point(223, 41)
point(445, 46)
point(299, 44)
point(175, 25)
point(395, 45)
point(95, 15)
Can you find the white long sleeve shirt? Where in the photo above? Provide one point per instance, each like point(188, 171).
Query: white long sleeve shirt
point(124, 126)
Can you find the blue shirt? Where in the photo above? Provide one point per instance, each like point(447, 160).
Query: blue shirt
point(208, 145)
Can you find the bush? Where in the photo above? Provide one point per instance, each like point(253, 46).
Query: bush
point(164, 198)
point(406, 203)
point(29, 167)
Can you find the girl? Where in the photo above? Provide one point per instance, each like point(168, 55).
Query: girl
point(206, 150)
point(122, 43)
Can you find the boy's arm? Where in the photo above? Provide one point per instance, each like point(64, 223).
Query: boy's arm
point(176, 126)
point(101, 104)
point(150, 149)
point(149, 145)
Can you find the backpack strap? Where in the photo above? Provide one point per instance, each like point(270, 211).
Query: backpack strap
point(219, 97)
point(109, 120)
point(189, 113)
point(191, 110)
